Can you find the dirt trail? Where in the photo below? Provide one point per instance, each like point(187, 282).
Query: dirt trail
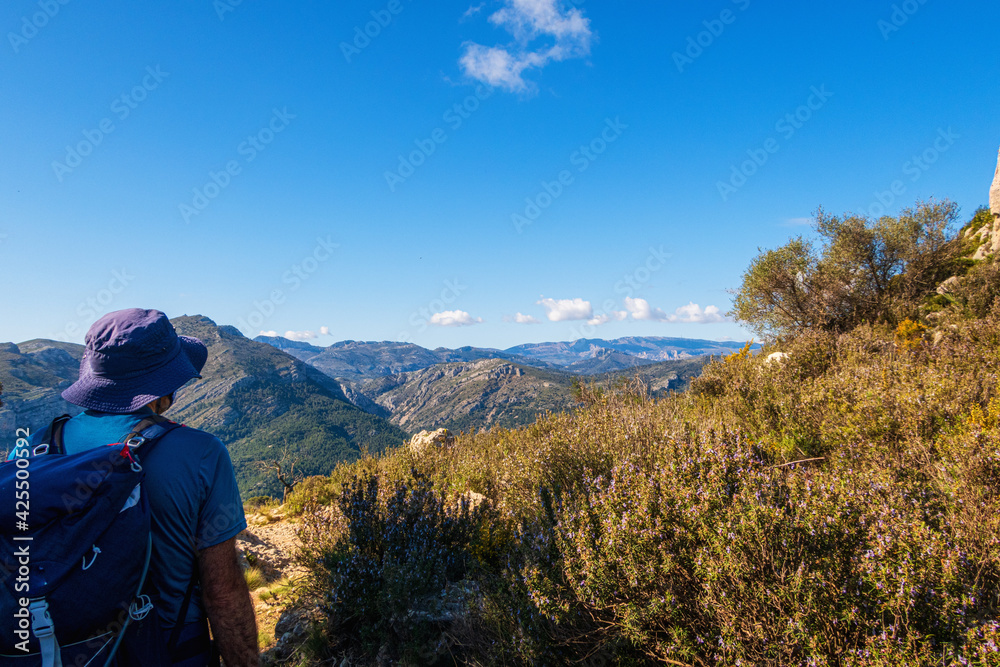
point(270, 544)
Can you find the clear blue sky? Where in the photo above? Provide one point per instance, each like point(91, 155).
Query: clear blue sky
point(360, 202)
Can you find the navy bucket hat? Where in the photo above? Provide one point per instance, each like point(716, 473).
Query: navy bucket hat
point(134, 357)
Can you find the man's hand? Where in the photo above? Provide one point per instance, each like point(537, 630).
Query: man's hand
point(227, 601)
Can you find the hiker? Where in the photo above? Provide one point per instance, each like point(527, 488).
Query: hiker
point(133, 363)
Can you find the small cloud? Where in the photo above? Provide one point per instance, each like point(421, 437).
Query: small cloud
point(453, 318)
point(473, 10)
point(557, 34)
point(521, 318)
point(324, 331)
point(566, 309)
point(604, 318)
point(270, 334)
point(300, 335)
point(691, 313)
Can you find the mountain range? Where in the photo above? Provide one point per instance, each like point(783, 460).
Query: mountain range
point(354, 360)
point(270, 397)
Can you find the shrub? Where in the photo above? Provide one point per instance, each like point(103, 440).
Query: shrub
point(712, 555)
point(385, 579)
point(909, 335)
point(864, 271)
point(255, 502)
point(311, 490)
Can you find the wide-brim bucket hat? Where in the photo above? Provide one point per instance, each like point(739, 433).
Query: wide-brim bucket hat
point(132, 358)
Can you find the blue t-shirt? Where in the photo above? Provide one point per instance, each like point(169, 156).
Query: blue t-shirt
point(192, 494)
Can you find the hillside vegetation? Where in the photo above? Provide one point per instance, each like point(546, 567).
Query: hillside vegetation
point(837, 506)
point(265, 404)
point(493, 392)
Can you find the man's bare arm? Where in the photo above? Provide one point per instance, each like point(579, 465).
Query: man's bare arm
point(227, 601)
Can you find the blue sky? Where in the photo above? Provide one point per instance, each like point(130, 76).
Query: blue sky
point(463, 174)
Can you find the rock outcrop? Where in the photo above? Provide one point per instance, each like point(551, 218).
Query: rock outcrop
point(995, 193)
point(424, 440)
point(990, 233)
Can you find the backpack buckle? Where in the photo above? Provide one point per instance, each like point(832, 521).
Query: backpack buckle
point(41, 620)
point(135, 441)
point(41, 449)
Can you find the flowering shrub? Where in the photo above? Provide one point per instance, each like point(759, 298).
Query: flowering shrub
point(392, 554)
point(712, 555)
point(909, 334)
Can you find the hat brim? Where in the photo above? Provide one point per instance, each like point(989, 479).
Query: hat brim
point(93, 392)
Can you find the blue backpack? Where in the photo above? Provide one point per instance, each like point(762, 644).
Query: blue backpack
point(75, 546)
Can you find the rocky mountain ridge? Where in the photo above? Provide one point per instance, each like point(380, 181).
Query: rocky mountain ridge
point(359, 360)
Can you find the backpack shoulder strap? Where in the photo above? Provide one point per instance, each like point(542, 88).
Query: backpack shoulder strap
point(148, 432)
point(53, 437)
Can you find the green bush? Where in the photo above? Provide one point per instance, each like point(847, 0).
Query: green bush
point(317, 490)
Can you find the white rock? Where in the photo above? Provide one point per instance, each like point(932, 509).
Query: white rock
point(776, 357)
point(995, 192)
point(424, 440)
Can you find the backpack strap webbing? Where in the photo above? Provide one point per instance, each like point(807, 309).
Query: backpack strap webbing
point(54, 437)
point(175, 633)
point(41, 627)
point(150, 439)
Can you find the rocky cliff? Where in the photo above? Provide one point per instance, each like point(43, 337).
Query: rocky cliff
point(989, 234)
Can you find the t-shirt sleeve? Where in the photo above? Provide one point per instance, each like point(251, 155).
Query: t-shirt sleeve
point(221, 516)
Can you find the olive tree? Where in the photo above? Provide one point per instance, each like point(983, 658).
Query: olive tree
point(857, 270)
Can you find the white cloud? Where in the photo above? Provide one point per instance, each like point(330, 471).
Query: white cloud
point(691, 313)
point(521, 318)
point(566, 309)
point(324, 331)
point(300, 335)
point(558, 34)
point(454, 318)
point(641, 310)
point(604, 318)
point(269, 334)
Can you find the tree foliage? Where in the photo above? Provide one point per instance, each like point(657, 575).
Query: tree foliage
point(858, 270)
